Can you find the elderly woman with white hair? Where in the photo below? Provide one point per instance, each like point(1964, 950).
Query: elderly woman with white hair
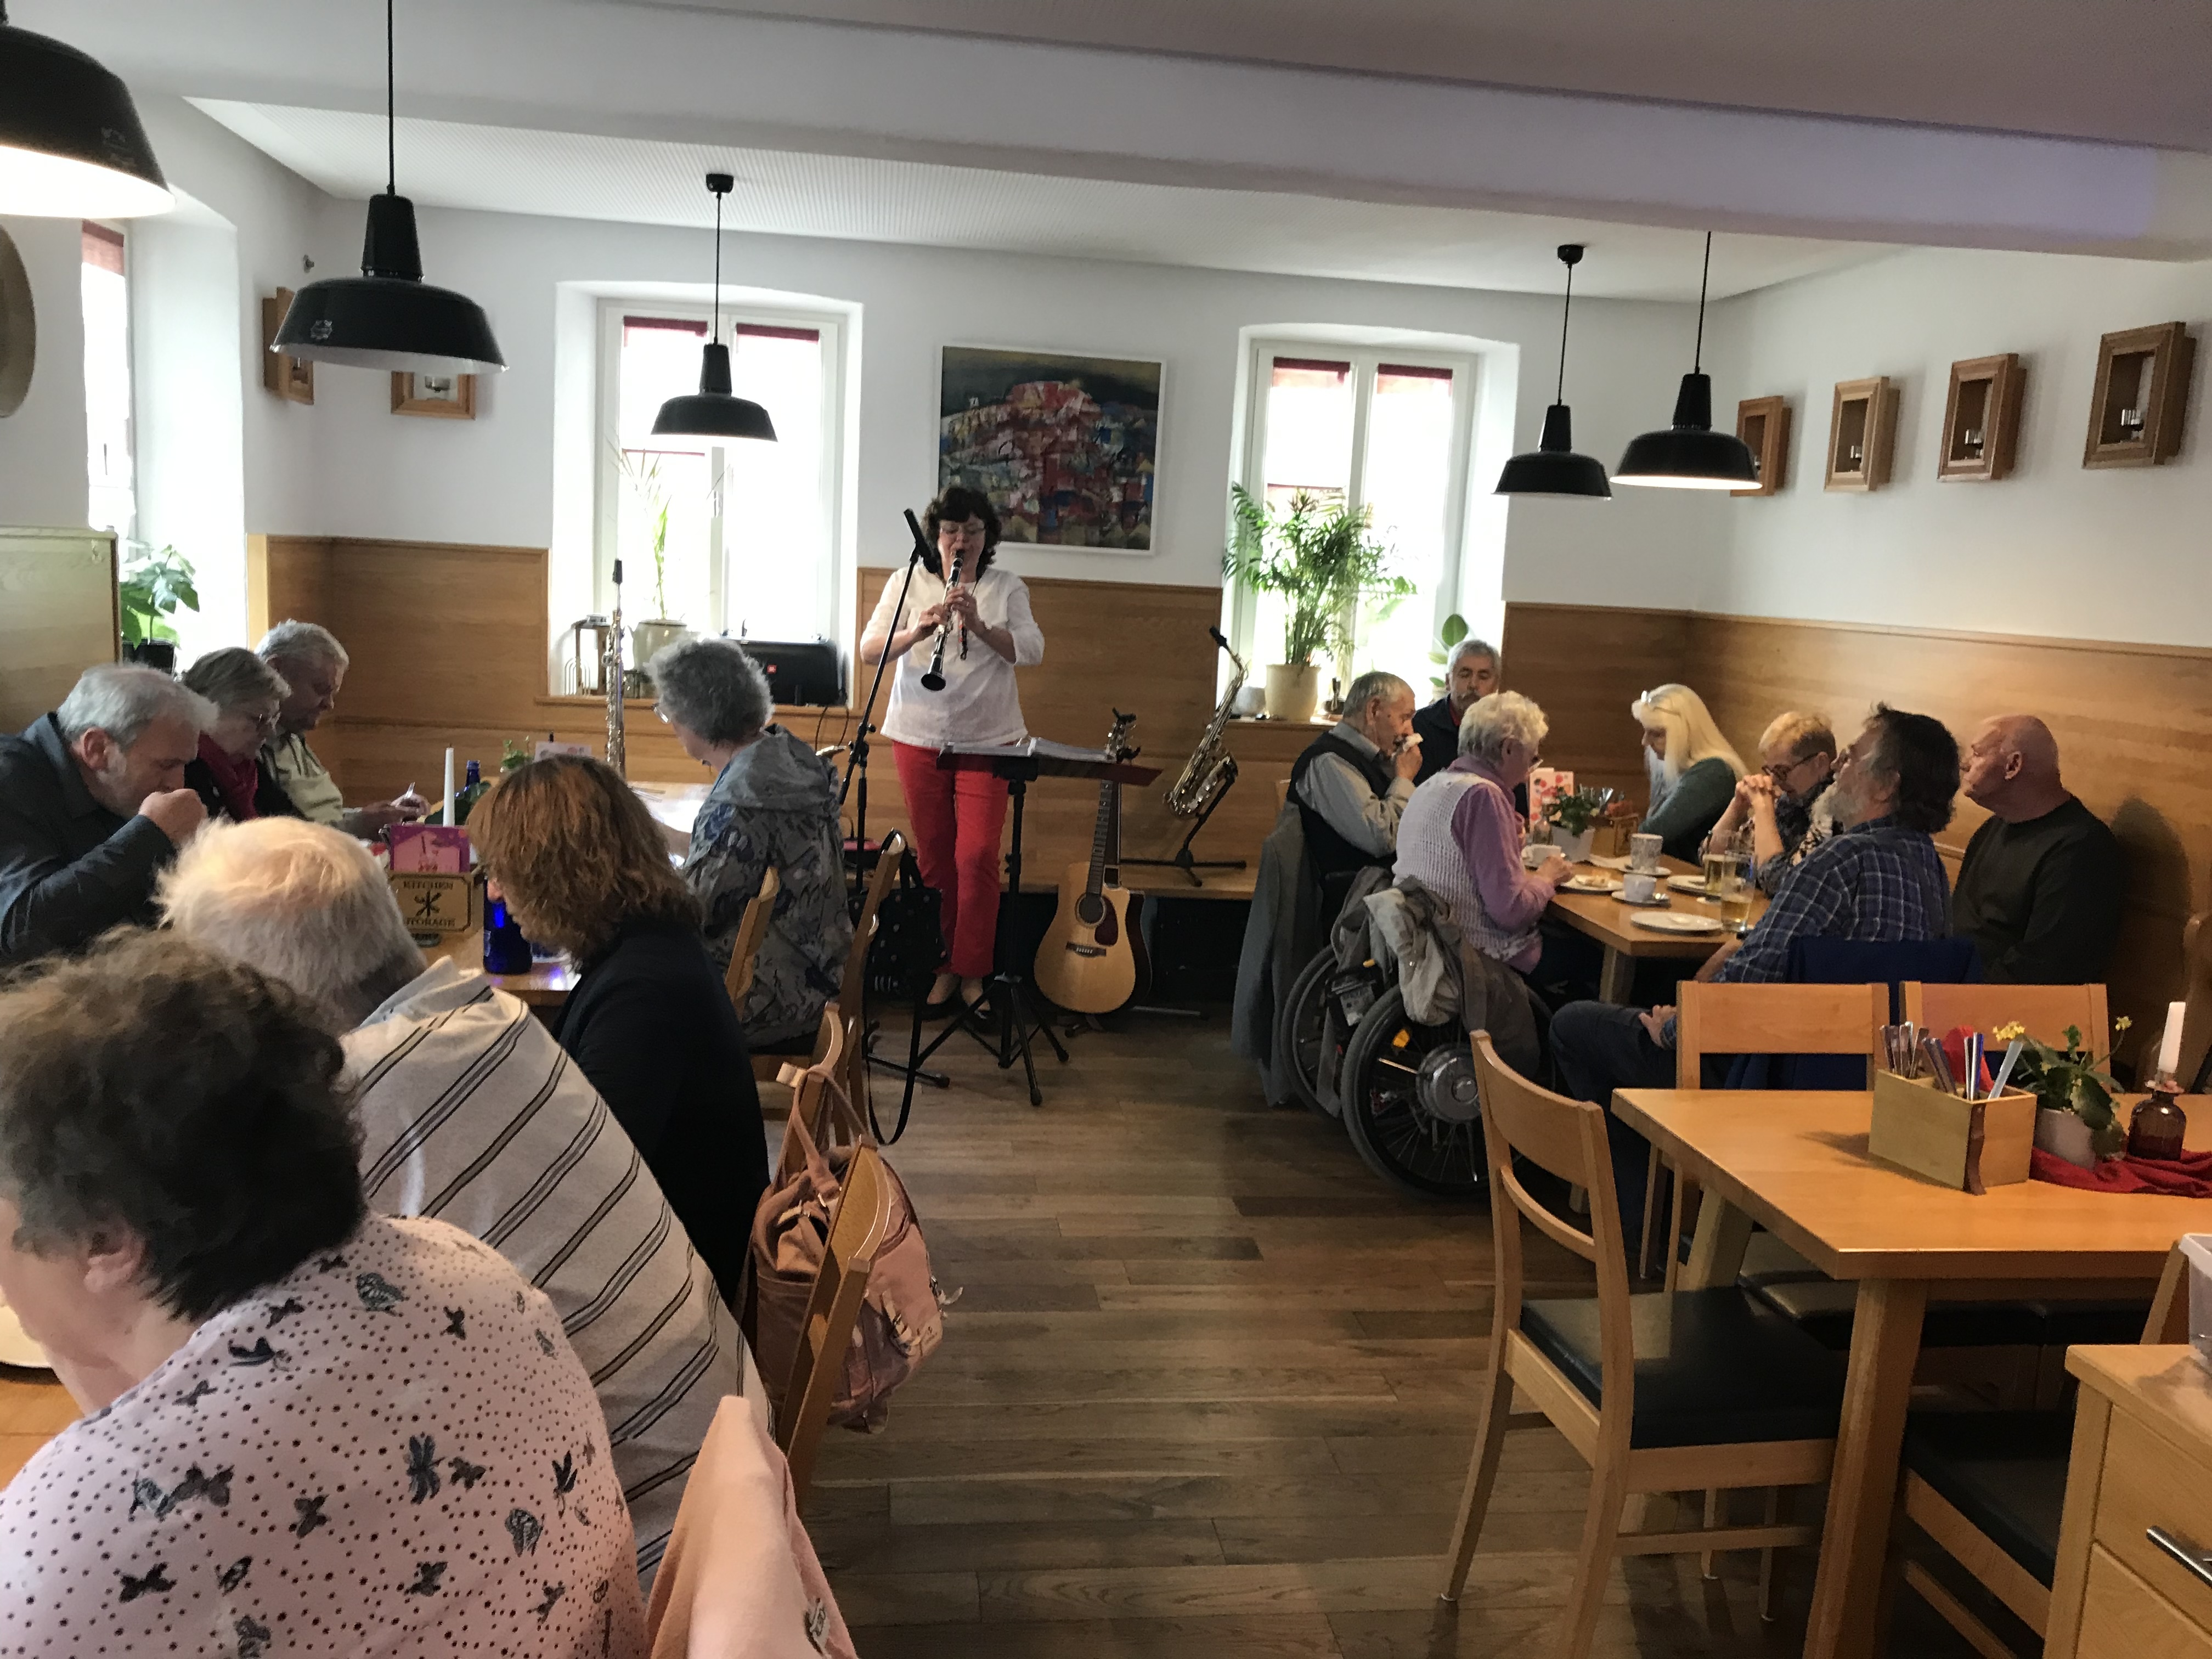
point(1461, 835)
point(1693, 769)
point(232, 776)
point(773, 806)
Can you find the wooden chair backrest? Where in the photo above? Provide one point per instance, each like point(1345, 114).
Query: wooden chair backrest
point(2168, 1324)
point(1567, 1138)
point(752, 928)
point(1777, 1020)
point(856, 1232)
point(852, 991)
point(2045, 1010)
point(830, 1122)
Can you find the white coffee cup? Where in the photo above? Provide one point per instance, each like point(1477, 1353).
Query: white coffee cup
point(1644, 853)
point(1640, 886)
point(1533, 855)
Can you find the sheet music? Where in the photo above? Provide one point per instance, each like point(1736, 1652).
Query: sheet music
point(1027, 749)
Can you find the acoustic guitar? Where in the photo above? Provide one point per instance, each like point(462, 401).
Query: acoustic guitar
point(1092, 958)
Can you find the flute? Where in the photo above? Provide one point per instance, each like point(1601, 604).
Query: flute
point(933, 679)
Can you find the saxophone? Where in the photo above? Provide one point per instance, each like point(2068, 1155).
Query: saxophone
point(1211, 769)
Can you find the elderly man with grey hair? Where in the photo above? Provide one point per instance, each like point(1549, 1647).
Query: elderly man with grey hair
point(93, 803)
point(472, 1113)
point(1470, 675)
point(314, 665)
point(773, 806)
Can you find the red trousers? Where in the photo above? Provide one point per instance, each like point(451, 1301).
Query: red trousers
point(957, 820)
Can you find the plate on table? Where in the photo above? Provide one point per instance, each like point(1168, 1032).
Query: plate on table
point(1598, 882)
point(1688, 883)
point(1656, 902)
point(1678, 921)
point(17, 1349)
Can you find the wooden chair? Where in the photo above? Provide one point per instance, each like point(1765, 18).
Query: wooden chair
point(1759, 1019)
point(1659, 1394)
point(829, 1050)
point(856, 1232)
point(2045, 1010)
point(1988, 1488)
point(744, 947)
point(853, 992)
point(831, 1120)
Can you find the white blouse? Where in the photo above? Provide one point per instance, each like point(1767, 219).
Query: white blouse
point(979, 703)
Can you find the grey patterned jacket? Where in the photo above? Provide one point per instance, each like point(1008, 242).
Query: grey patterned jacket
point(775, 805)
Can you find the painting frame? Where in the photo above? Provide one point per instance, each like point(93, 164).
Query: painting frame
point(1068, 470)
point(441, 397)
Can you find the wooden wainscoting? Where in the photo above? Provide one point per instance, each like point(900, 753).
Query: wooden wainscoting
point(2133, 724)
point(447, 643)
point(57, 615)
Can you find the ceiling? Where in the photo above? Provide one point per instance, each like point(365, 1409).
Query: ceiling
point(575, 176)
point(2127, 71)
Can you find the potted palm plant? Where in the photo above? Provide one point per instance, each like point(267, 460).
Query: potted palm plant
point(1323, 558)
point(641, 471)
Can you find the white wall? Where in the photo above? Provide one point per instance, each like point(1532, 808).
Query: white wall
point(42, 479)
point(2117, 554)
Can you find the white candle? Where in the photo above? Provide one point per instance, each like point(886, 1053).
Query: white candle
point(449, 818)
point(2169, 1048)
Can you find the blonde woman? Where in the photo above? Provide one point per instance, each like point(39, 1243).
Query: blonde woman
point(1694, 771)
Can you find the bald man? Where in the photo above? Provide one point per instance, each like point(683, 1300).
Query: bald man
point(2040, 890)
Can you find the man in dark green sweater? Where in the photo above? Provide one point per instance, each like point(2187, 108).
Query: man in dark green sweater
point(2040, 890)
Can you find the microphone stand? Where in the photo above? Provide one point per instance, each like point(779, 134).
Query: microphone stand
point(857, 750)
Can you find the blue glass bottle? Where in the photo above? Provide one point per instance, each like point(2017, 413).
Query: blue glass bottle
point(505, 950)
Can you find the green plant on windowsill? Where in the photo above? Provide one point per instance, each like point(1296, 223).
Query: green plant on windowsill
point(1572, 813)
point(1322, 556)
point(1453, 631)
point(2070, 1079)
point(643, 475)
point(153, 587)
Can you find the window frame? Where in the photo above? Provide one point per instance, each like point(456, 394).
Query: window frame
point(1365, 359)
point(119, 237)
point(606, 494)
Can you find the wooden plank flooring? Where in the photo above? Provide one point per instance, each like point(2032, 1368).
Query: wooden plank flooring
point(1208, 1390)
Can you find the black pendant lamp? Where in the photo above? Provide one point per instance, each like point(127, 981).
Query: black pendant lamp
point(711, 412)
point(70, 143)
point(388, 317)
point(1552, 468)
point(1690, 455)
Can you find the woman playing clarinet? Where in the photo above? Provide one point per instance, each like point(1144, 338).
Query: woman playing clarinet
point(967, 628)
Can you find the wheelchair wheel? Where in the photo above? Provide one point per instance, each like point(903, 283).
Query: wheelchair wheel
point(1409, 1102)
point(1301, 1027)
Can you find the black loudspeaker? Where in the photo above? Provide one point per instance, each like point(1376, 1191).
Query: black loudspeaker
point(800, 673)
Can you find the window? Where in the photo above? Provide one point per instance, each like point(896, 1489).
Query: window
point(1384, 428)
point(112, 501)
point(747, 531)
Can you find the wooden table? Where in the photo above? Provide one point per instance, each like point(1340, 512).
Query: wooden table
point(546, 985)
point(1797, 1163)
point(33, 1409)
point(1612, 925)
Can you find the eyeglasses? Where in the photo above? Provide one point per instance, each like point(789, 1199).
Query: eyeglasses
point(268, 722)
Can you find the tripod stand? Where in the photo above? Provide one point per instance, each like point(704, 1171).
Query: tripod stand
point(1182, 859)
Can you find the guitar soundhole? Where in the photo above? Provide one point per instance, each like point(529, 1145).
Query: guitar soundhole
point(1090, 909)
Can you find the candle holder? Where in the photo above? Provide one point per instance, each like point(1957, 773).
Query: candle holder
point(2142, 396)
point(1981, 419)
point(1861, 434)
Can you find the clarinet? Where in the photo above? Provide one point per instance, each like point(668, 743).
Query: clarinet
point(933, 679)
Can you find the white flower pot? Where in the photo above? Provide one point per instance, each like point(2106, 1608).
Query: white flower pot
point(2064, 1135)
point(1292, 691)
point(1575, 848)
point(647, 639)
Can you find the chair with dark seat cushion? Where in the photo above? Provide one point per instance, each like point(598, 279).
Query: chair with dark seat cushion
point(1710, 1366)
point(1822, 1309)
point(1657, 1397)
point(1978, 1478)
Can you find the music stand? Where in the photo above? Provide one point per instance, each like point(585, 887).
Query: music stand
point(1008, 986)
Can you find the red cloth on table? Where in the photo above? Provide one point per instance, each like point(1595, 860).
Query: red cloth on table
point(2188, 1176)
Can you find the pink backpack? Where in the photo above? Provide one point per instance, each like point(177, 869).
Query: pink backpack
point(901, 1320)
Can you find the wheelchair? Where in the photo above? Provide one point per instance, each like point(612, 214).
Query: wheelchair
point(1405, 1091)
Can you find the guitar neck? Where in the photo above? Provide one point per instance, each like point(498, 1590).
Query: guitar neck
point(1102, 835)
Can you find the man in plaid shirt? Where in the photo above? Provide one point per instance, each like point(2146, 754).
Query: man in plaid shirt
point(1879, 878)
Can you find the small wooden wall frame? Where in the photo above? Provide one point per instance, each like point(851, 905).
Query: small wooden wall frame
point(2143, 393)
point(292, 378)
point(1861, 434)
point(1981, 419)
point(1763, 424)
point(441, 397)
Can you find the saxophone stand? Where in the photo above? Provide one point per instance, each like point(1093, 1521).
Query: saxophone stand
point(1182, 859)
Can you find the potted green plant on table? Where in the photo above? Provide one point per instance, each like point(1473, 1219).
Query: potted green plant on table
point(154, 584)
point(1574, 815)
point(641, 470)
point(1322, 557)
point(2074, 1118)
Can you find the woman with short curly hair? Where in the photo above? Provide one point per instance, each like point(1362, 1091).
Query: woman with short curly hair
point(773, 806)
point(581, 865)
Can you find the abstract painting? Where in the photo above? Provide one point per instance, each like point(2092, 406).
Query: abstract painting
point(1064, 445)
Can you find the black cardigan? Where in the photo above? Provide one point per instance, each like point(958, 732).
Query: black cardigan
point(651, 1025)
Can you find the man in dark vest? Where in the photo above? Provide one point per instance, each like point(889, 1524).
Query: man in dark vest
point(1347, 792)
point(1471, 674)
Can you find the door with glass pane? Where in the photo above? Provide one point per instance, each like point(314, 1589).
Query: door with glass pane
point(1389, 431)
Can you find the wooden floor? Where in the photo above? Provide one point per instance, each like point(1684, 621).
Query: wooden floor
point(1209, 1390)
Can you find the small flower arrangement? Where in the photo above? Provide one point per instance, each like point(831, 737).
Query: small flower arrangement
point(1572, 811)
point(2070, 1079)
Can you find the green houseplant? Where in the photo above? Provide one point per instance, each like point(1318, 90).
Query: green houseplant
point(1574, 815)
point(2070, 1084)
point(154, 584)
point(1323, 558)
point(641, 470)
point(1453, 631)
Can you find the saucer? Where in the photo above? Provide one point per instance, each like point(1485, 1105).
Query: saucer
point(1597, 883)
point(1688, 884)
point(1677, 921)
point(1656, 902)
